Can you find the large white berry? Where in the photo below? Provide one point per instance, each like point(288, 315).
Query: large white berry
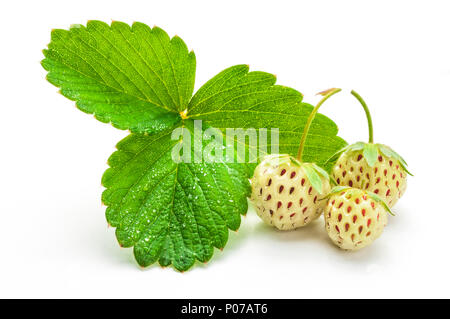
point(283, 195)
point(354, 218)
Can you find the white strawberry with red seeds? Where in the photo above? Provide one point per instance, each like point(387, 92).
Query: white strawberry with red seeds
point(286, 192)
point(354, 218)
point(283, 195)
point(386, 177)
point(372, 167)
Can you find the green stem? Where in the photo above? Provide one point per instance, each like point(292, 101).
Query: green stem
point(326, 94)
point(366, 109)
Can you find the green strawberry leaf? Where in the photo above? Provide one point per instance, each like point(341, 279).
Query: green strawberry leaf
point(370, 153)
point(389, 152)
point(329, 163)
point(238, 98)
point(335, 190)
point(342, 150)
point(378, 199)
point(295, 161)
point(350, 148)
point(321, 171)
point(174, 213)
point(358, 146)
point(313, 177)
point(135, 77)
point(338, 189)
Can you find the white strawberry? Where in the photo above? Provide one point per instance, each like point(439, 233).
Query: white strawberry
point(372, 167)
point(286, 192)
point(354, 218)
point(283, 194)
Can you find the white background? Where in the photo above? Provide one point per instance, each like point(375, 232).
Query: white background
point(54, 239)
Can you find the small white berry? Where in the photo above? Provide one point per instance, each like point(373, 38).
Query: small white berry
point(354, 218)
